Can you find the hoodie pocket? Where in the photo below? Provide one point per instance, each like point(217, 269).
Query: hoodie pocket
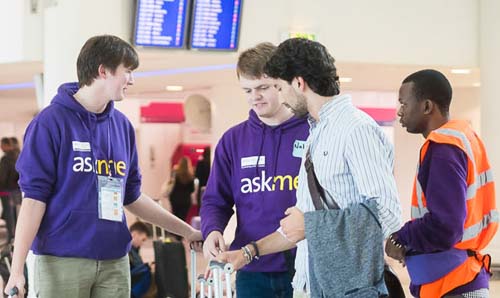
point(74, 237)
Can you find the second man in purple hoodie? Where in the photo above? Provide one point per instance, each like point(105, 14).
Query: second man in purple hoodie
point(255, 168)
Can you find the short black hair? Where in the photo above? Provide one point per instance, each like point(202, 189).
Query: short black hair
point(431, 84)
point(140, 227)
point(299, 57)
point(6, 141)
point(108, 50)
point(14, 141)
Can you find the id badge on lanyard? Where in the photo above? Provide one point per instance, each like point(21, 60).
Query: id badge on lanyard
point(110, 198)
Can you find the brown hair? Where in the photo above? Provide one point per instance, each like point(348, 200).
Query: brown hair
point(252, 61)
point(107, 50)
point(184, 170)
point(140, 227)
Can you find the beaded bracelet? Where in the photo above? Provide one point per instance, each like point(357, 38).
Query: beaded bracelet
point(247, 254)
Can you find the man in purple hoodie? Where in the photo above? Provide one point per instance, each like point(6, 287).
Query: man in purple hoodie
point(78, 169)
point(255, 169)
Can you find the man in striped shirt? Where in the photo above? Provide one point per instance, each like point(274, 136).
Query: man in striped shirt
point(353, 158)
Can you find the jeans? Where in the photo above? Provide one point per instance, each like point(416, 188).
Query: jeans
point(263, 285)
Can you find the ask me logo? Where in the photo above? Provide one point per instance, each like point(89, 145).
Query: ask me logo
point(100, 166)
point(269, 183)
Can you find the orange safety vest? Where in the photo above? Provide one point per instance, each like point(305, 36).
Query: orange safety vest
point(481, 222)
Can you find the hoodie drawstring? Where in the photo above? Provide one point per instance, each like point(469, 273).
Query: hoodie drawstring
point(277, 151)
point(260, 148)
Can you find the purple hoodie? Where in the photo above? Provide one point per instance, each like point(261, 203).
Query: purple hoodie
point(261, 193)
point(58, 166)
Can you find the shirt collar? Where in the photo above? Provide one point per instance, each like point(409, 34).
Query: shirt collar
point(330, 110)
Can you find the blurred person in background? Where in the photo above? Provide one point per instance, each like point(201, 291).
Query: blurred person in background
point(9, 189)
point(183, 186)
point(15, 146)
point(140, 272)
point(202, 172)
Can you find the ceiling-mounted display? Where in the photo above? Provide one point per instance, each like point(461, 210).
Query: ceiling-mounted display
point(161, 23)
point(215, 24)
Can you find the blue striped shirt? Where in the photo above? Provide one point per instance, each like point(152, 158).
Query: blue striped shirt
point(353, 160)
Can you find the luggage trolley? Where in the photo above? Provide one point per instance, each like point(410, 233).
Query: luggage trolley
point(213, 284)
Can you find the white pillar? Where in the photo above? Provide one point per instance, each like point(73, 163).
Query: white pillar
point(68, 24)
point(489, 44)
point(11, 29)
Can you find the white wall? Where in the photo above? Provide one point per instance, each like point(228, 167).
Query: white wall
point(443, 32)
point(229, 107)
point(32, 31)
point(490, 64)
point(11, 30)
point(21, 31)
point(67, 26)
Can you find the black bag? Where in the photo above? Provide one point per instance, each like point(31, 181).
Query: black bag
point(392, 283)
point(171, 274)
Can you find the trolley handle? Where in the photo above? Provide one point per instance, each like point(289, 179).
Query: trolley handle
point(226, 267)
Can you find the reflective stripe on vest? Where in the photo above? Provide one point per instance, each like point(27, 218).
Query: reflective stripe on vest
point(463, 138)
point(417, 212)
point(479, 181)
point(476, 229)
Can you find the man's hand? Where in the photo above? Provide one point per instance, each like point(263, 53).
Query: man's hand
point(235, 257)
point(394, 251)
point(15, 281)
point(293, 225)
point(214, 244)
point(195, 239)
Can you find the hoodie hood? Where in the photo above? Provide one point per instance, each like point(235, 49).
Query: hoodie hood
point(289, 125)
point(66, 97)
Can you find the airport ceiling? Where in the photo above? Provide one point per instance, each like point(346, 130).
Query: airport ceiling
point(196, 72)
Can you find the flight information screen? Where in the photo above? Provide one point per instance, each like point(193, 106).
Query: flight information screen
point(161, 23)
point(215, 24)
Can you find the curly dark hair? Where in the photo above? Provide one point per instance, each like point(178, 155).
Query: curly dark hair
point(299, 57)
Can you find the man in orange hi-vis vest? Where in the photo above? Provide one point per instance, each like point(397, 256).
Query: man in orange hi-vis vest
point(453, 207)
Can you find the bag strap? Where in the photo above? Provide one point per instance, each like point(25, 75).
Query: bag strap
point(315, 189)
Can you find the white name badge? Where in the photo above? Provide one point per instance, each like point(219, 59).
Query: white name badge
point(298, 148)
point(81, 146)
point(251, 161)
point(110, 198)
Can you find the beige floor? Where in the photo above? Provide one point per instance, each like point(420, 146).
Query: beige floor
point(148, 256)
